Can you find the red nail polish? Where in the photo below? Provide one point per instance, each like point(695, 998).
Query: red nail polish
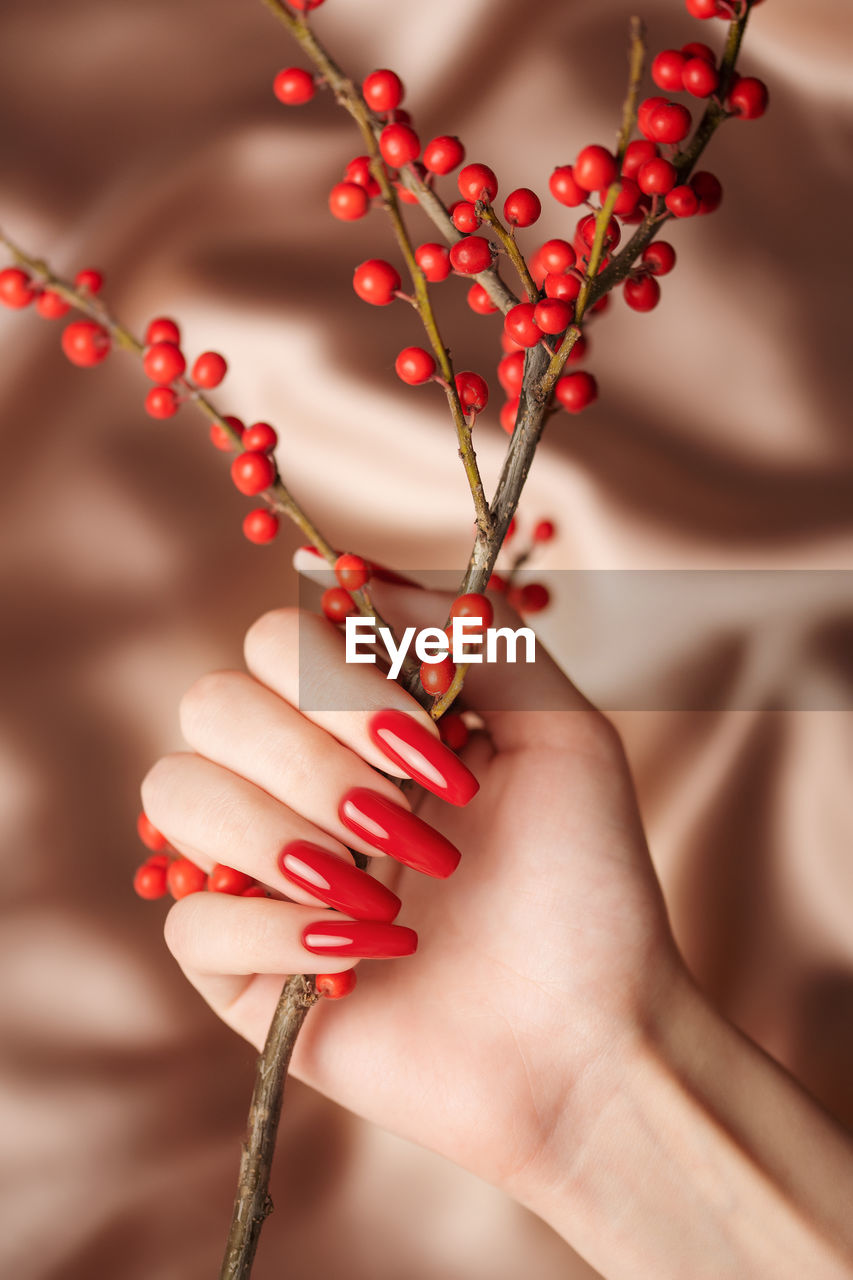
point(423, 756)
point(396, 831)
point(364, 938)
point(336, 882)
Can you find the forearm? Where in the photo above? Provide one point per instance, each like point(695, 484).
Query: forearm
point(701, 1158)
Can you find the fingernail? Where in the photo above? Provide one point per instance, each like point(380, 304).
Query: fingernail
point(423, 756)
point(397, 832)
point(364, 938)
point(336, 882)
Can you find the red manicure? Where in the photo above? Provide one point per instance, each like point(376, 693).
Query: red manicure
point(336, 882)
point(396, 831)
point(423, 756)
point(364, 938)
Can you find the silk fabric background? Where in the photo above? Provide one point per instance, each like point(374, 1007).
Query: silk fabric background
point(145, 140)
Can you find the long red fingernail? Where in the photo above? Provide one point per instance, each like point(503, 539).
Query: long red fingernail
point(396, 831)
point(423, 756)
point(365, 938)
point(336, 882)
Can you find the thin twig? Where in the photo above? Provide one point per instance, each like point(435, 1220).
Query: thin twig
point(512, 250)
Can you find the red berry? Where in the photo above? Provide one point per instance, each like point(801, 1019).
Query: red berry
point(552, 315)
point(434, 261)
point(89, 280)
point(479, 301)
point(544, 531)
point(260, 526)
point(627, 199)
point(161, 402)
point(358, 171)
point(334, 986)
point(563, 187)
point(414, 365)
point(556, 255)
point(399, 145)
point(473, 391)
point(657, 177)
point(382, 90)
point(638, 153)
point(51, 306)
point(511, 372)
point(496, 582)
point(85, 343)
point(669, 122)
point(507, 344)
point(595, 168)
point(642, 293)
point(471, 255)
point(163, 362)
point(702, 8)
point(522, 207)
point(508, 414)
point(337, 604)
point(162, 330)
point(220, 438)
point(748, 98)
point(709, 191)
point(302, 5)
point(696, 50)
point(464, 217)
point(473, 605)
point(294, 86)
point(532, 598)
point(254, 891)
point(376, 281)
point(184, 878)
point(436, 677)
point(348, 201)
point(252, 472)
point(644, 114)
point(682, 202)
point(576, 390)
point(209, 369)
point(149, 881)
point(659, 257)
point(351, 571)
point(477, 182)
point(443, 154)
point(565, 287)
point(520, 324)
point(224, 879)
point(586, 232)
point(667, 67)
point(260, 437)
point(16, 288)
point(700, 77)
point(149, 835)
point(454, 732)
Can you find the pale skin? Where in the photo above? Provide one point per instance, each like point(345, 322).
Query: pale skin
point(546, 1035)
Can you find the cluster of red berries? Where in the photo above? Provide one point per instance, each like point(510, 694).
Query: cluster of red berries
point(530, 597)
point(165, 871)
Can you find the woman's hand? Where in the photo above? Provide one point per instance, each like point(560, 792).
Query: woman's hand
point(537, 960)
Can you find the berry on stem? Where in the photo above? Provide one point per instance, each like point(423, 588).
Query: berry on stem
point(399, 145)
point(89, 280)
point(149, 835)
point(348, 201)
point(595, 168)
point(522, 207)
point(657, 177)
point(667, 69)
point(533, 597)
point(454, 732)
point(464, 217)
point(473, 391)
point(209, 369)
point(748, 98)
point(149, 881)
point(659, 257)
point(252, 472)
point(260, 525)
point(351, 571)
point(260, 437)
point(553, 315)
point(85, 343)
point(696, 50)
point(161, 402)
point(51, 306)
point(358, 171)
point(334, 986)
point(16, 288)
point(520, 324)
point(163, 362)
point(471, 255)
point(556, 255)
point(337, 604)
point(477, 182)
point(544, 531)
point(223, 879)
point(700, 77)
point(575, 391)
point(220, 438)
point(642, 293)
point(682, 202)
point(565, 287)
point(473, 605)
point(479, 301)
point(382, 90)
point(184, 878)
point(294, 86)
point(669, 122)
point(162, 329)
point(437, 677)
point(709, 190)
point(414, 365)
point(376, 281)
point(565, 189)
point(511, 372)
point(443, 154)
point(434, 261)
point(638, 153)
